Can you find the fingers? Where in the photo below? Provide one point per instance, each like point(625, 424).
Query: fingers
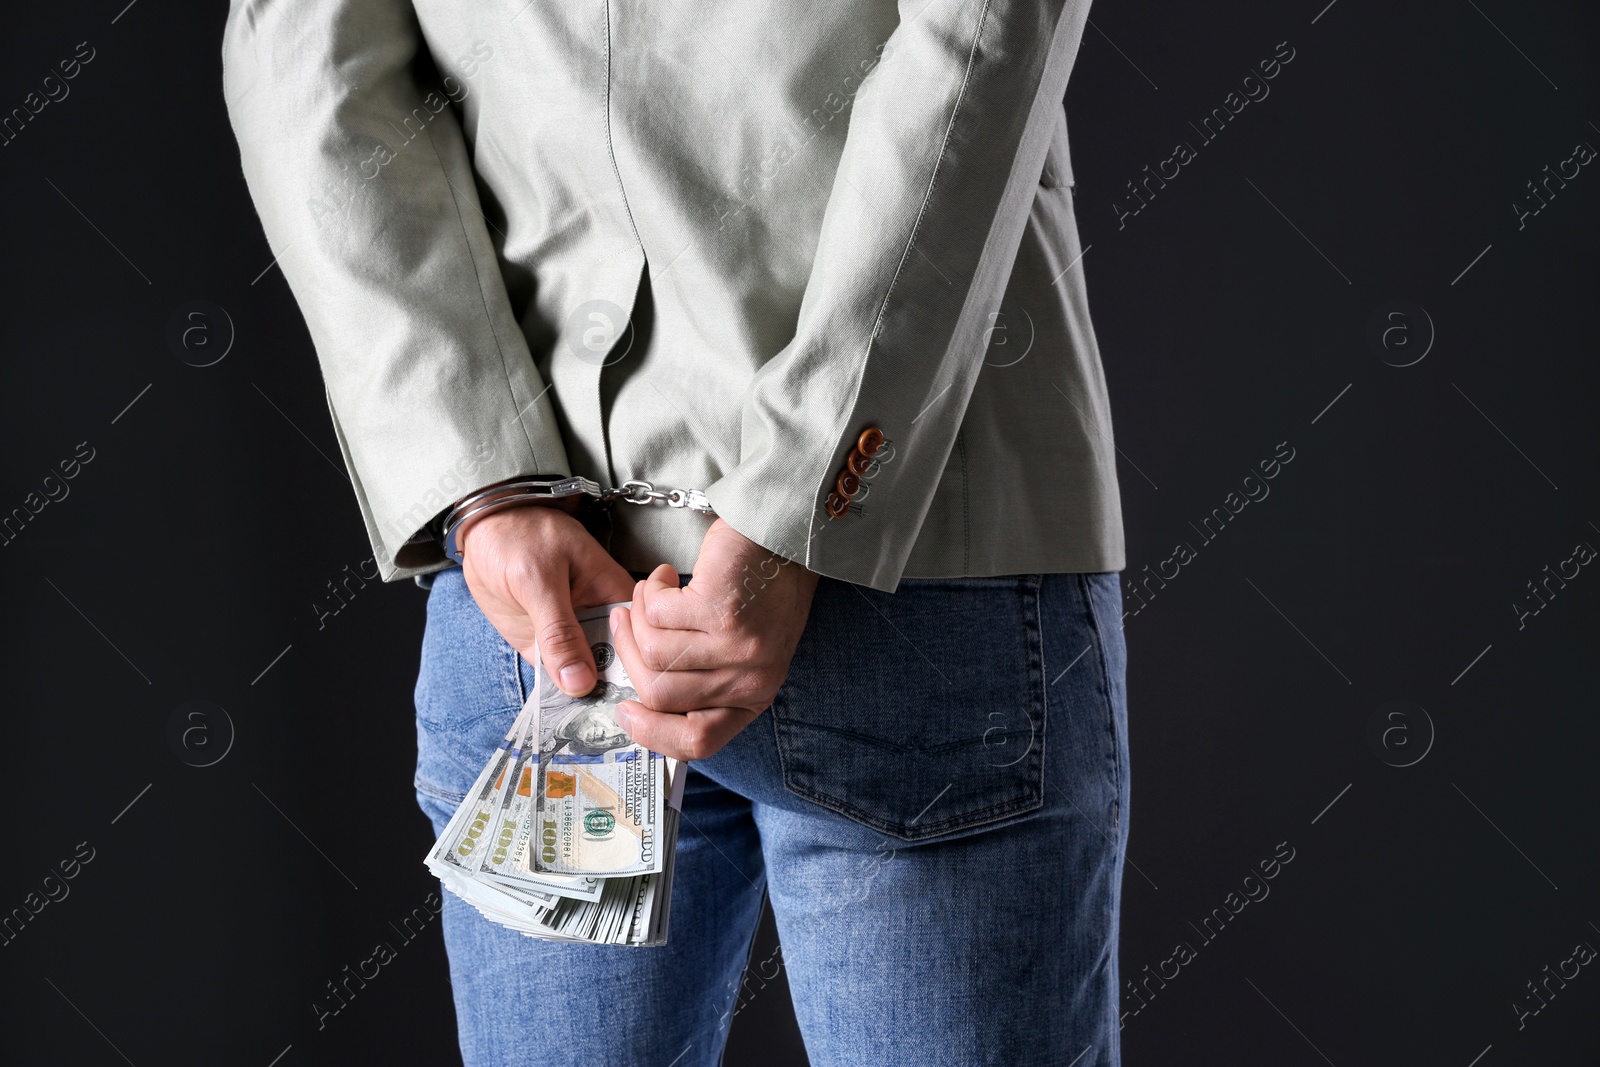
point(668, 649)
point(665, 606)
point(703, 667)
point(547, 590)
point(697, 735)
point(592, 578)
point(676, 688)
point(560, 641)
point(528, 569)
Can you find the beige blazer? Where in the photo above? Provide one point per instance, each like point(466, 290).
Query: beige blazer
point(705, 243)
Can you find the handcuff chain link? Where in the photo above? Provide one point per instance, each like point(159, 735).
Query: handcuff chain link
point(638, 491)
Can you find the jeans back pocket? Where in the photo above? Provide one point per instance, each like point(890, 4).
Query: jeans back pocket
point(919, 713)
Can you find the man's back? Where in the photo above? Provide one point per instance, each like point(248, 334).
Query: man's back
point(704, 245)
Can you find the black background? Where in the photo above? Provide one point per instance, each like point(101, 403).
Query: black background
point(1232, 311)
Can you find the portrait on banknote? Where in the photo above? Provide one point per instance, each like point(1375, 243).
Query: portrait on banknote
point(581, 726)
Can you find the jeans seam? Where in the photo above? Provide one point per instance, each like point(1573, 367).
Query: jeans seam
point(422, 785)
point(879, 743)
point(1105, 697)
point(513, 679)
point(966, 821)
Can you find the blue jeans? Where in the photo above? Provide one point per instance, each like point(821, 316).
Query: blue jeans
point(937, 805)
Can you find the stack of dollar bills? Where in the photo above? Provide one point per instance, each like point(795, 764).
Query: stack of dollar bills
point(569, 832)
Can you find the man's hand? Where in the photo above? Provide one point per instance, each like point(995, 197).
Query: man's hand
point(528, 568)
point(708, 658)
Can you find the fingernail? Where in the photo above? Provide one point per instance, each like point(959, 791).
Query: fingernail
point(621, 714)
point(572, 677)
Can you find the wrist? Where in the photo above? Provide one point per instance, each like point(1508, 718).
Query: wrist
point(505, 495)
point(501, 484)
point(529, 520)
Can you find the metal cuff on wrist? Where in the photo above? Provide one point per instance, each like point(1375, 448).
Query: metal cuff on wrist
point(509, 495)
point(549, 490)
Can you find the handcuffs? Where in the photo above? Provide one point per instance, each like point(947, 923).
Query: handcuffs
point(543, 490)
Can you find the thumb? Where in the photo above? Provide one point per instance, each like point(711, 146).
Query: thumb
point(558, 639)
point(724, 551)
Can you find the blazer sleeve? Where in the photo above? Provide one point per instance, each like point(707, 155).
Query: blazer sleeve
point(939, 170)
point(362, 178)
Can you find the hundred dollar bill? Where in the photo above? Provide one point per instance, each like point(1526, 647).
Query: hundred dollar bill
point(477, 835)
point(515, 824)
point(465, 835)
point(487, 853)
point(511, 821)
point(601, 796)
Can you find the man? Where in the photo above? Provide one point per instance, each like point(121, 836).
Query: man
point(813, 269)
